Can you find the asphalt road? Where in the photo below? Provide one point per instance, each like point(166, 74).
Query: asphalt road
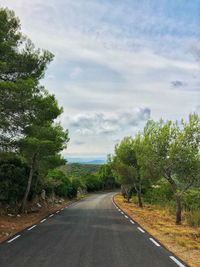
point(89, 233)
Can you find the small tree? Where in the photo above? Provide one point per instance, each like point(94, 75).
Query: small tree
point(106, 176)
point(41, 143)
point(127, 165)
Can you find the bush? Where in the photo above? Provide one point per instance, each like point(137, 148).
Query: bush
point(161, 193)
point(191, 200)
point(57, 182)
point(92, 183)
point(13, 178)
point(193, 218)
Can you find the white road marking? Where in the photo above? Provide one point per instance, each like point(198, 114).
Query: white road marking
point(62, 209)
point(141, 230)
point(177, 261)
point(11, 240)
point(51, 215)
point(122, 212)
point(42, 220)
point(31, 227)
point(57, 211)
point(154, 241)
point(126, 216)
point(132, 222)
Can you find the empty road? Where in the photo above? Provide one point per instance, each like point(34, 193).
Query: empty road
point(89, 233)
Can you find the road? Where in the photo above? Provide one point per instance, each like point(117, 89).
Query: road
point(89, 233)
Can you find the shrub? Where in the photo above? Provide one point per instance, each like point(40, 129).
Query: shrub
point(57, 182)
point(161, 193)
point(193, 218)
point(191, 200)
point(92, 183)
point(13, 178)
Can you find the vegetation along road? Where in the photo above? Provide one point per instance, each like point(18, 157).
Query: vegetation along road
point(92, 232)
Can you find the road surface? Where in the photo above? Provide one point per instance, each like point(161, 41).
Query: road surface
point(89, 233)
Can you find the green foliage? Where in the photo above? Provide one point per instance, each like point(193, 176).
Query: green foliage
point(160, 193)
point(92, 183)
point(13, 178)
point(21, 68)
point(84, 174)
point(106, 176)
point(191, 200)
point(57, 182)
point(80, 170)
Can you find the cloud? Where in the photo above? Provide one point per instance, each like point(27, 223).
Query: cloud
point(99, 123)
point(177, 83)
point(77, 142)
point(76, 72)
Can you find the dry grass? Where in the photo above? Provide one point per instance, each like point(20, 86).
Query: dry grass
point(183, 240)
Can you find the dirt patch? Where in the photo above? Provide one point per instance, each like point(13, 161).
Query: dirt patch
point(182, 240)
point(12, 223)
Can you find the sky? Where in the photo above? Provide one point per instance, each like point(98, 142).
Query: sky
point(117, 64)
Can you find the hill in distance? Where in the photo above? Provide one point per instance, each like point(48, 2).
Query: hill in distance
point(99, 161)
point(80, 169)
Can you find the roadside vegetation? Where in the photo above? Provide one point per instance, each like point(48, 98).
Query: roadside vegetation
point(161, 166)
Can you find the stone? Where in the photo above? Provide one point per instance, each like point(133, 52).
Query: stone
point(39, 206)
point(43, 194)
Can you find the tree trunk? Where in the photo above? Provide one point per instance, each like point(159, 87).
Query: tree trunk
point(178, 209)
point(140, 199)
point(139, 195)
point(23, 205)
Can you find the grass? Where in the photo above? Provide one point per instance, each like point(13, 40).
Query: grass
point(182, 240)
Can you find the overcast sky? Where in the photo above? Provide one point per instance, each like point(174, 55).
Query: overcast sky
point(117, 63)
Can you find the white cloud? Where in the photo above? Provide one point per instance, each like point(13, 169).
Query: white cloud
point(76, 72)
point(99, 123)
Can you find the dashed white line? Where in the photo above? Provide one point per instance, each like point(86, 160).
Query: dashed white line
point(51, 215)
point(126, 216)
point(154, 241)
point(122, 212)
point(177, 261)
point(57, 211)
point(42, 220)
point(132, 222)
point(11, 240)
point(31, 227)
point(140, 229)
point(62, 209)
